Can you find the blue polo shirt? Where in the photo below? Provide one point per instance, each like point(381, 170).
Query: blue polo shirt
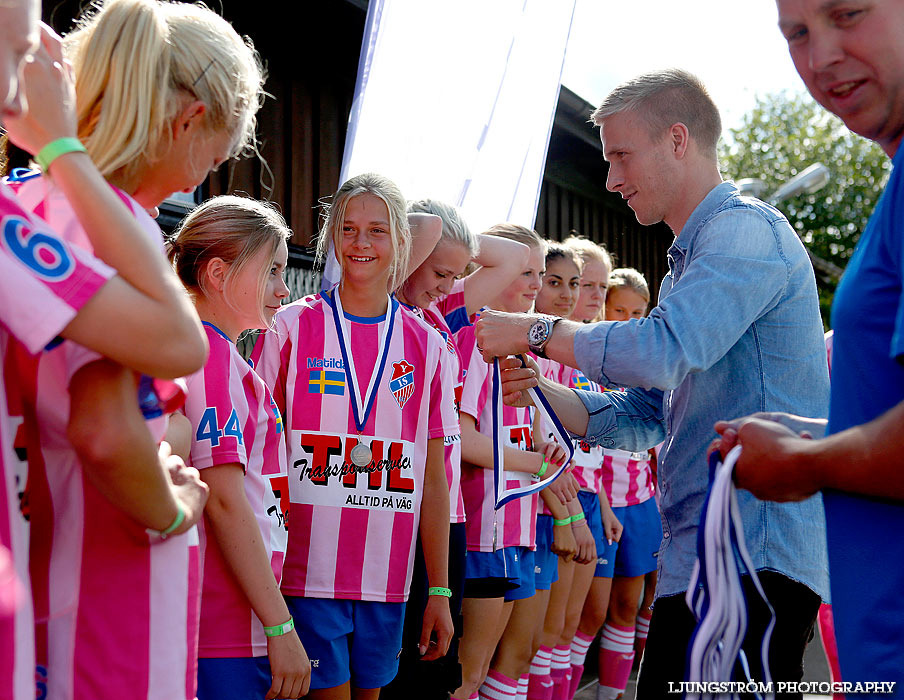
point(866, 546)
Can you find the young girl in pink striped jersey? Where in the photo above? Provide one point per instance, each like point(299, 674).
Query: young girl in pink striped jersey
point(628, 483)
point(164, 93)
point(230, 254)
point(437, 293)
point(590, 582)
point(551, 666)
point(500, 583)
point(367, 405)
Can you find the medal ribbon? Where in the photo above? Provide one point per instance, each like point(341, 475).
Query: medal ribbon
point(504, 495)
point(715, 594)
point(361, 406)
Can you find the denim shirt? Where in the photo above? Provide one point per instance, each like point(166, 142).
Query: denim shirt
point(737, 330)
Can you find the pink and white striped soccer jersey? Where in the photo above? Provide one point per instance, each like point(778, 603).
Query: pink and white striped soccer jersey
point(627, 477)
point(452, 307)
point(515, 524)
point(553, 371)
point(588, 459)
point(116, 609)
point(352, 529)
point(550, 368)
point(235, 420)
point(433, 317)
point(43, 284)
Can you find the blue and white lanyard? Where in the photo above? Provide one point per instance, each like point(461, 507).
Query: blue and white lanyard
point(504, 495)
point(362, 403)
point(715, 594)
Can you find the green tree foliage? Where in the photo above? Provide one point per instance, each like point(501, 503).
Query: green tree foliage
point(785, 133)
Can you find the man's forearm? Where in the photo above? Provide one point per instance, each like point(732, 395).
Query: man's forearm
point(776, 464)
point(864, 459)
point(561, 344)
point(567, 406)
point(500, 334)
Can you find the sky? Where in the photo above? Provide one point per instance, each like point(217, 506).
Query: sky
point(734, 46)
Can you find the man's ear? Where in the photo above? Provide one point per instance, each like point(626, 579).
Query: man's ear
point(189, 119)
point(215, 273)
point(679, 139)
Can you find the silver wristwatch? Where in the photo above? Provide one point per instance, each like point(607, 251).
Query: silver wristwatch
point(539, 333)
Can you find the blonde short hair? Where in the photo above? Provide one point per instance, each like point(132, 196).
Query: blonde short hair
point(665, 97)
point(233, 229)
point(400, 234)
point(136, 64)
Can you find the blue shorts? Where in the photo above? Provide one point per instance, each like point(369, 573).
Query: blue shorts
point(355, 640)
point(605, 552)
point(233, 678)
point(524, 560)
point(546, 562)
point(640, 540)
point(492, 574)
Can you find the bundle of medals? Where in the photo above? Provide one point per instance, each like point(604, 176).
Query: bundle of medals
point(716, 596)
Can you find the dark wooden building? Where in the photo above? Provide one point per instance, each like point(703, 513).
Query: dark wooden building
point(311, 60)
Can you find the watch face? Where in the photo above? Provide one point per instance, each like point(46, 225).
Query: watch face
point(537, 333)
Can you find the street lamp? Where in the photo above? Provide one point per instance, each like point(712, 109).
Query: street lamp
point(809, 180)
point(751, 187)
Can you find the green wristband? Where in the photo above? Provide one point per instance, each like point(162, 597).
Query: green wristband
point(563, 521)
point(542, 470)
point(173, 526)
point(57, 148)
point(577, 518)
point(280, 630)
point(439, 590)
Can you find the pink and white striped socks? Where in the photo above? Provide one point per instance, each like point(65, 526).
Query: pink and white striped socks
point(523, 681)
point(540, 685)
point(642, 624)
point(579, 647)
point(560, 672)
point(498, 687)
point(616, 658)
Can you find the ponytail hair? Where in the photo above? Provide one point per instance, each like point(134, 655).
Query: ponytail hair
point(233, 229)
point(455, 228)
point(589, 250)
point(138, 63)
point(560, 251)
point(631, 279)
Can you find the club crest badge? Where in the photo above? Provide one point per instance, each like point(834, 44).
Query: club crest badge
point(401, 382)
point(450, 346)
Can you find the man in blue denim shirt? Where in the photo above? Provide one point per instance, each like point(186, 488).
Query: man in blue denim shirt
point(737, 329)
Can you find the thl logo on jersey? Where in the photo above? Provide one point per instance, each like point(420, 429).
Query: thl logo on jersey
point(280, 487)
point(325, 381)
point(401, 383)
